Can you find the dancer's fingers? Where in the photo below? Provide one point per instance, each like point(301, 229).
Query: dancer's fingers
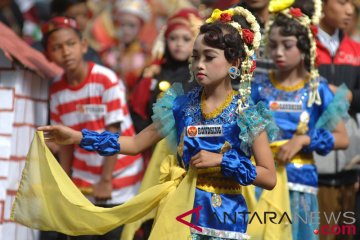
point(45, 128)
point(49, 139)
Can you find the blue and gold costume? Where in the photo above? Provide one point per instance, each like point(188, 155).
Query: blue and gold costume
point(218, 189)
point(293, 116)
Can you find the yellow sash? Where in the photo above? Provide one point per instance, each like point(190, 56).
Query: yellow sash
point(48, 200)
point(276, 200)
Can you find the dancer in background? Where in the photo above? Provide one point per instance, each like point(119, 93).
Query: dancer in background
point(305, 109)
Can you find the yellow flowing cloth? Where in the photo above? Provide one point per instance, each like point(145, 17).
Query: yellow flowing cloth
point(276, 200)
point(48, 200)
point(151, 178)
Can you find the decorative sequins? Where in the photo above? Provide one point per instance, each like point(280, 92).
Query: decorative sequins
point(216, 200)
point(193, 110)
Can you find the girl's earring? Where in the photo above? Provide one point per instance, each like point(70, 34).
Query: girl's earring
point(234, 72)
point(302, 58)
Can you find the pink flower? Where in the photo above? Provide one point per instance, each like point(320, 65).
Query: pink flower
point(248, 36)
point(295, 12)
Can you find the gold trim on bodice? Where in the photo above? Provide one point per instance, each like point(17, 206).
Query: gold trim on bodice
point(219, 109)
point(278, 85)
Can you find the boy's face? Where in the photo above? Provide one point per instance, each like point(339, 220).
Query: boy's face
point(338, 13)
point(80, 13)
point(66, 49)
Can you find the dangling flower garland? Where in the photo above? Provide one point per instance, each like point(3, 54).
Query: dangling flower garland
point(251, 38)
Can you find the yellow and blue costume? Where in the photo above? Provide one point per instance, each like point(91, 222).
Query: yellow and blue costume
point(292, 115)
point(217, 190)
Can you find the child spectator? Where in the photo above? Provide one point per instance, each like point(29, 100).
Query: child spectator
point(171, 53)
point(89, 95)
point(128, 56)
point(78, 10)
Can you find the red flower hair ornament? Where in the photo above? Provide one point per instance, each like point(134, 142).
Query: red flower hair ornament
point(296, 12)
point(253, 66)
point(225, 17)
point(247, 36)
point(314, 29)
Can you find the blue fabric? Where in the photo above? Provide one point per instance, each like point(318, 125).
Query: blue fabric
point(252, 122)
point(230, 216)
point(287, 121)
point(163, 114)
point(175, 112)
point(323, 119)
point(105, 143)
point(305, 174)
point(305, 215)
point(187, 112)
point(321, 141)
point(238, 167)
point(336, 111)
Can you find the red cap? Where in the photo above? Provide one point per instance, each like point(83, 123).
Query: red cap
point(183, 18)
point(57, 23)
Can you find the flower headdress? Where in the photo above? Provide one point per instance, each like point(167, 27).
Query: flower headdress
point(284, 7)
point(251, 38)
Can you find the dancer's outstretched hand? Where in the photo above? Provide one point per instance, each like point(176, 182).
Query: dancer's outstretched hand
point(61, 134)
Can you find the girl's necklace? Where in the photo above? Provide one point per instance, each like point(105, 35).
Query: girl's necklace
point(217, 111)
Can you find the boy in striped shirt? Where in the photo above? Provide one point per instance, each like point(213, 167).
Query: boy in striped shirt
point(90, 96)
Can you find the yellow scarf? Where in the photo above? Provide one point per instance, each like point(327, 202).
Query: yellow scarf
point(276, 200)
point(48, 200)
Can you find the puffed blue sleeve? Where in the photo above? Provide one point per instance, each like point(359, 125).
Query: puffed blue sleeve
point(238, 167)
point(321, 141)
point(163, 116)
point(105, 143)
point(252, 121)
point(335, 108)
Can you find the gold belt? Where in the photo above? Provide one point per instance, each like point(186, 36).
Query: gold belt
point(211, 180)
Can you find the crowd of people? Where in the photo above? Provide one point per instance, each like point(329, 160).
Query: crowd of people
point(236, 106)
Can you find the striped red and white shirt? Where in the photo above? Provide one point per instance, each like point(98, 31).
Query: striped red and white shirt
point(94, 104)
